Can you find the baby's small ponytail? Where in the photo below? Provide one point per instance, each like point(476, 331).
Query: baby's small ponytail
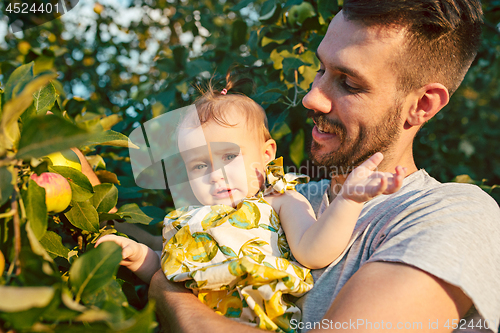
point(214, 104)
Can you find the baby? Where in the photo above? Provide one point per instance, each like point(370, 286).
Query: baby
point(231, 250)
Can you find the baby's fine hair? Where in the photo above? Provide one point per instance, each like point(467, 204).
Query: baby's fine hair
point(215, 104)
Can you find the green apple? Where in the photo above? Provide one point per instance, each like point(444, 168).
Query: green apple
point(65, 158)
point(57, 190)
point(299, 13)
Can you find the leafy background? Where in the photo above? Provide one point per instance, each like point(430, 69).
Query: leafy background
point(120, 64)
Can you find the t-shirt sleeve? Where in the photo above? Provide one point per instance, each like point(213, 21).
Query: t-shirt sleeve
point(313, 191)
point(453, 233)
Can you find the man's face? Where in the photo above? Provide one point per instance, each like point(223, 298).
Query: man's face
point(354, 95)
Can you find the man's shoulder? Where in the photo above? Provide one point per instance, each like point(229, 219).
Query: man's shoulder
point(429, 190)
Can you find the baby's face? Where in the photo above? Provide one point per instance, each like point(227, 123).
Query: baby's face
point(224, 164)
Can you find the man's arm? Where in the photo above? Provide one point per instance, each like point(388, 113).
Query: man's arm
point(395, 293)
point(178, 310)
point(398, 293)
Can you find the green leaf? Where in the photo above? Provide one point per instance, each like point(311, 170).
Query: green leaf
point(81, 188)
point(327, 8)
point(6, 186)
point(278, 36)
point(84, 216)
point(464, 179)
point(95, 269)
point(238, 33)
point(242, 4)
point(297, 148)
point(109, 138)
point(109, 298)
point(267, 10)
point(280, 129)
point(52, 243)
point(17, 80)
point(94, 316)
point(28, 114)
point(44, 98)
point(15, 299)
point(96, 161)
point(107, 177)
point(105, 197)
point(144, 321)
point(14, 108)
point(36, 209)
point(110, 121)
point(110, 293)
point(180, 56)
point(195, 67)
point(292, 64)
point(108, 217)
point(43, 135)
point(35, 245)
point(144, 215)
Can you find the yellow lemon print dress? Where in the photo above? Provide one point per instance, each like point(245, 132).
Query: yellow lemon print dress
point(237, 259)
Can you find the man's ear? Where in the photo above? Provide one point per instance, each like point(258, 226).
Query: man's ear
point(269, 150)
point(431, 98)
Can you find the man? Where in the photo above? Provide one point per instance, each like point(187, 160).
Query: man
point(421, 259)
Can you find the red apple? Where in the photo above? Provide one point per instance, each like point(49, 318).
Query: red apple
point(57, 190)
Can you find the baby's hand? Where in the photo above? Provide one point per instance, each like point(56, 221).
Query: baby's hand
point(364, 183)
point(133, 253)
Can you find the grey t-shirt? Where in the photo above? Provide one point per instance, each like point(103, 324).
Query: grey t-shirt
point(450, 230)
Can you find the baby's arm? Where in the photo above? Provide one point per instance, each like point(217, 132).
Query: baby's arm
point(317, 244)
point(137, 257)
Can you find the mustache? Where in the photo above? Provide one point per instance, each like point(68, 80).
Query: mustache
point(329, 125)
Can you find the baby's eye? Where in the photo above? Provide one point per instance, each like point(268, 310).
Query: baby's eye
point(199, 166)
point(229, 157)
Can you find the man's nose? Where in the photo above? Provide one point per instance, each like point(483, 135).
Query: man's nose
point(316, 99)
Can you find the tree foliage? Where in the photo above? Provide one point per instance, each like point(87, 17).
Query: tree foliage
point(103, 70)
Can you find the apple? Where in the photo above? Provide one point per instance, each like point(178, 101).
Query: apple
point(57, 190)
point(66, 158)
point(2, 263)
point(24, 47)
point(299, 13)
point(98, 8)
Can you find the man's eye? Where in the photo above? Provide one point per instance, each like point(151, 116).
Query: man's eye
point(320, 71)
point(348, 87)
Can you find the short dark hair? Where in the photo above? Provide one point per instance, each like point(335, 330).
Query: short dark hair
point(443, 37)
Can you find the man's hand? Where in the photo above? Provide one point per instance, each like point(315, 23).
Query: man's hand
point(364, 183)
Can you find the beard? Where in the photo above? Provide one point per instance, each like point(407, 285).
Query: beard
point(354, 150)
